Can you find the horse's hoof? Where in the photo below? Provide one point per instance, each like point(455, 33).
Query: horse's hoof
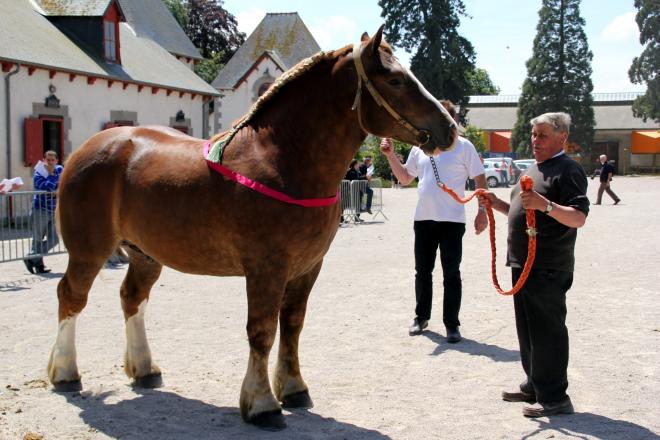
point(65, 386)
point(149, 381)
point(300, 400)
point(269, 420)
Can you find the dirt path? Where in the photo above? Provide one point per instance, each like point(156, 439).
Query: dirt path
point(368, 378)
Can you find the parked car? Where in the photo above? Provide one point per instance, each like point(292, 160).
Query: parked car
point(513, 172)
point(492, 174)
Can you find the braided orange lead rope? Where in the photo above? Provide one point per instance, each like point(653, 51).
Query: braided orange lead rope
point(526, 184)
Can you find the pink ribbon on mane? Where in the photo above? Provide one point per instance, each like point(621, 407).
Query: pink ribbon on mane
point(263, 189)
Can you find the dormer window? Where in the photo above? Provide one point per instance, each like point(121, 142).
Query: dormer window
point(110, 40)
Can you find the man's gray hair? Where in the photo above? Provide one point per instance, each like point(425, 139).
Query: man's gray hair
point(560, 121)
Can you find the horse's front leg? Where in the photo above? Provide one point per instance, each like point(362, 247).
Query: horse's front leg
point(265, 289)
point(290, 388)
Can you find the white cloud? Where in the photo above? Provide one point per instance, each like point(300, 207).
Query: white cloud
point(335, 31)
point(249, 19)
point(622, 28)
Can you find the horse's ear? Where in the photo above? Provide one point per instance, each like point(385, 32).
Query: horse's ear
point(365, 37)
point(378, 37)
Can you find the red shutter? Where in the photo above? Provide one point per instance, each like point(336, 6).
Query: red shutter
point(34, 141)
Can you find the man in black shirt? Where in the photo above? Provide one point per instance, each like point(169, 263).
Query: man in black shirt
point(606, 173)
point(561, 206)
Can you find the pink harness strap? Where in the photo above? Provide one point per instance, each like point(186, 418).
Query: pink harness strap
point(263, 189)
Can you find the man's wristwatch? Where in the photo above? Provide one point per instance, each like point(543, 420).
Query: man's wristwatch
point(548, 208)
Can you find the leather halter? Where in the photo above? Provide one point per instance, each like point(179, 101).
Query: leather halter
point(422, 136)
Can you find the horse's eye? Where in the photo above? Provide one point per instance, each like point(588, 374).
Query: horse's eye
point(394, 82)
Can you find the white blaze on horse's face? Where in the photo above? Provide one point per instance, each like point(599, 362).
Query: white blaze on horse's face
point(417, 106)
point(440, 107)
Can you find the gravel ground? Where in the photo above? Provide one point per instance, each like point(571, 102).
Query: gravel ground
point(368, 378)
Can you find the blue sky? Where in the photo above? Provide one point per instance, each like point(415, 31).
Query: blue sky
point(502, 32)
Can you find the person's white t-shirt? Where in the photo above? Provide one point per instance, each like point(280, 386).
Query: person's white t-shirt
point(454, 168)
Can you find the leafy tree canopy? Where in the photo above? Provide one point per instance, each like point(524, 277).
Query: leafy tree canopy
point(645, 68)
point(443, 58)
point(558, 75)
point(480, 83)
point(212, 29)
point(476, 136)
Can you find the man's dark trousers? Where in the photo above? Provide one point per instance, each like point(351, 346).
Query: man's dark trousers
point(540, 309)
point(448, 237)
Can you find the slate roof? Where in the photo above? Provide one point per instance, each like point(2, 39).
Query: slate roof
point(284, 35)
point(28, 37)
point(72, 8)
point(152, 19)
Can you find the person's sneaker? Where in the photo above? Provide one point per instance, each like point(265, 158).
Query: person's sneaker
point(549, 409)
point(617, 202)
point(418, 326)
point(453, 335)
point(518, 396)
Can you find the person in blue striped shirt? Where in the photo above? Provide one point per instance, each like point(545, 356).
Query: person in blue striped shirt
point(44, 234)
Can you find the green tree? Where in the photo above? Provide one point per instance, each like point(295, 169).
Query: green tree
point(476, 136)
point(208, 68)
point(558, 75)
point(381, 165)
point(481, 84)
point(645, 67)
point(212, 29)
point(179, 9)
point(443, 58)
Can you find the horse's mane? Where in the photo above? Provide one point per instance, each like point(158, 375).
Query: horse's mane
point(293, 73)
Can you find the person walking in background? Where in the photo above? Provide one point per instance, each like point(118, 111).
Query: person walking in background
point(44, 234)
point(503, 173)
point(606, 173)
point(559, 199)
point(439, 223)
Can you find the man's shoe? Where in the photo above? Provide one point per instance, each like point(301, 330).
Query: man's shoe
point(453, 335)
point(549, 409)
point(368, 211)
point(597, 203)
point(41, 269)
point(418, 326)
point(518, 396)
point(29, 265)
point(617, 202)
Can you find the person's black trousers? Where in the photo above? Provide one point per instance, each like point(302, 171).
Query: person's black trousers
point(540, 308)
point(448, 237)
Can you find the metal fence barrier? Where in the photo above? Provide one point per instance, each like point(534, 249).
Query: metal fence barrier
point(18, 227)
point(354, 199)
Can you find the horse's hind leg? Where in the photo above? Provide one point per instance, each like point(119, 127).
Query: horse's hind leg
point(141, 275)
point(290, 388)
point(72, 292)
point(265, 289)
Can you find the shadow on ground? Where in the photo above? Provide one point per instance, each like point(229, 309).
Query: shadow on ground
point(473, 348)
point(165, 415)
point(582, 424)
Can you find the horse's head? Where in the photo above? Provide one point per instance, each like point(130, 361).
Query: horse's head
point(394, 103)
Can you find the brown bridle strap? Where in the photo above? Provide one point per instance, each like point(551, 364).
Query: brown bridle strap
point(422, 136)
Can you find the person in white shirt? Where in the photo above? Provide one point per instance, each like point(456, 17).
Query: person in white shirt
point(439, 223)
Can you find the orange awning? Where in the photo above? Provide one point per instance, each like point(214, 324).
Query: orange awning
point(499, 141)
point(647, 141)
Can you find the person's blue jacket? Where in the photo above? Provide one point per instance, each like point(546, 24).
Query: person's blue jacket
point(46, 182)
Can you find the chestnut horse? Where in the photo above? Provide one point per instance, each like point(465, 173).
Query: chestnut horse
point(151, 191)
